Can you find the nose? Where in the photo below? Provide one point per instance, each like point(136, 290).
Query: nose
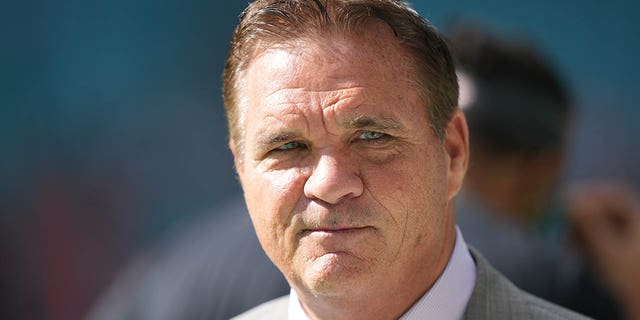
point(333, 179)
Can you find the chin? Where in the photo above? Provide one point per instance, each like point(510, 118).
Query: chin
point(335, 274)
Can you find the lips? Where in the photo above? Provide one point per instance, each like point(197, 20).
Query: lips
point(336, 231)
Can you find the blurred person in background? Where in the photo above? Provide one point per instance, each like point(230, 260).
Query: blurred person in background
point(519, 113)
point(213, 268)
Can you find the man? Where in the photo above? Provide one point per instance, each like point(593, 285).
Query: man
point(350, 150)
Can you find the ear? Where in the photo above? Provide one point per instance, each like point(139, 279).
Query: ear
point(456, 147)
point(237, 159)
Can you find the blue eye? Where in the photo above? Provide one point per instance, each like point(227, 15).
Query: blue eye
point(289, 146)
point(371, 135)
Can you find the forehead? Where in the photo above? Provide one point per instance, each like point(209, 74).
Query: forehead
point(335, 64)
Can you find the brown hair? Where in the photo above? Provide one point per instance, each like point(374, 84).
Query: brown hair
point(266, 23)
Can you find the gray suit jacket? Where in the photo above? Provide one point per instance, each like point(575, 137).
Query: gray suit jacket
point(494, 297)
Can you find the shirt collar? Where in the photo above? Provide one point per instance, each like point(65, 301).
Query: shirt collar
point(448, 297)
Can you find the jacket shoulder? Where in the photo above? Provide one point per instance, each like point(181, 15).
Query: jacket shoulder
point(495, 297)
point(542, 309)
point(270, 310)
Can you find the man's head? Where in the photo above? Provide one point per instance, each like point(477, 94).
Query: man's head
point(348, 178)
point(269, 23)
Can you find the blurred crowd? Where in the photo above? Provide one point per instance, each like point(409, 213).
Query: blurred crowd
point(120, 202)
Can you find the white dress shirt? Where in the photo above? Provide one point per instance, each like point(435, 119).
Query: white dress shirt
point(447, 298)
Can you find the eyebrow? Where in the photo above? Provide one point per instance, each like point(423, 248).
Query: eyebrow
point(275, 138)
point(373, 123)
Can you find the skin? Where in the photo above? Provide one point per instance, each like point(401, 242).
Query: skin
point(348, 187)
point(606, 218)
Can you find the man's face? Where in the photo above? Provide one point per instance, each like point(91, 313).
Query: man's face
point(346, 183)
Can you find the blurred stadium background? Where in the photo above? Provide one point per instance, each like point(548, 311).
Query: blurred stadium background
point(112, 131)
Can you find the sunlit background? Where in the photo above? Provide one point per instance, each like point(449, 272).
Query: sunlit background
point(112, 132)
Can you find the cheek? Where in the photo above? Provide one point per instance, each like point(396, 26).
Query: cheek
point(271, 199)
point(413, 192)
point(281, 189)
point(408, 182)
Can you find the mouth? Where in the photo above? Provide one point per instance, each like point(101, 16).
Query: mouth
point(336, 231)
